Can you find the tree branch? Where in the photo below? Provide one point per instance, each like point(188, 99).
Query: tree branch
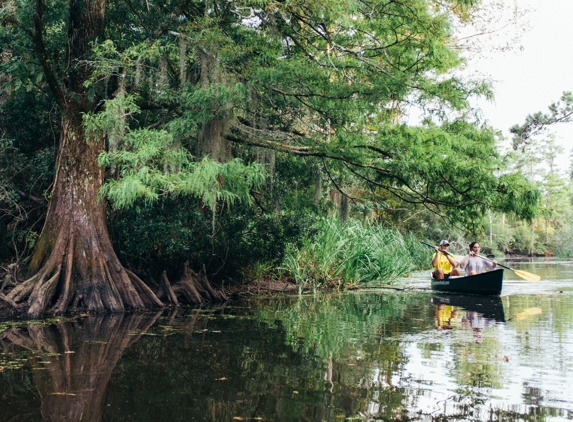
point(40, 46)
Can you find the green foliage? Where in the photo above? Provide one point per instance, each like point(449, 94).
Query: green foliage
point(462, 155)
point(152, 164)
point(174, 230)
point(27, 154)
point(535, 124)
point(536, 161)
point(564, 242)
point(522, 241)
point(298, 68)
point(353, 253)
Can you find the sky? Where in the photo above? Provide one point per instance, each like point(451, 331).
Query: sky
point(530, 79)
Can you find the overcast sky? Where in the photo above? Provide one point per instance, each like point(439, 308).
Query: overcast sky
point(530, 80)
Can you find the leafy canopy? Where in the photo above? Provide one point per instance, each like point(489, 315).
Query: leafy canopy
point(330, 81)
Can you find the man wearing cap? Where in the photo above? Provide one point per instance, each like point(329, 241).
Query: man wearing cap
point(444, 264)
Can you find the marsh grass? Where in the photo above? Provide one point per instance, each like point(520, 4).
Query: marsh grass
point(353, 253)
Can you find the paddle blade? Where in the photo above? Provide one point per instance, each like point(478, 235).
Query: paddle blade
point(527, 276)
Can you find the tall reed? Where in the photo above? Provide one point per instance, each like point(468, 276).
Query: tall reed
point(353, 253)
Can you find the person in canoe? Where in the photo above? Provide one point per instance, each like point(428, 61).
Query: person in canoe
point(444, 264)
point(473, 264)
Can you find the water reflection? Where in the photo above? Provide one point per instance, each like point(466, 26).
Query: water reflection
point(73, 361)
point(490, 307)
point(358, 356)
point(472, 312)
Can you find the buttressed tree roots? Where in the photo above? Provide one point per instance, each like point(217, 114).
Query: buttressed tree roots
point(110, 288)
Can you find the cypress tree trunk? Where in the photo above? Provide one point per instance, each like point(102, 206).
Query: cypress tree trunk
point(211, 140)
point(344, 208)
point(317, 187)
point(532, 247)
point(74, 264)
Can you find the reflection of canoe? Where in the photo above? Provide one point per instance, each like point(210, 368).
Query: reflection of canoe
point(489, 283)
point(490, 307)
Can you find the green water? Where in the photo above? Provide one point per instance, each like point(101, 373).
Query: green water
point(377, 355)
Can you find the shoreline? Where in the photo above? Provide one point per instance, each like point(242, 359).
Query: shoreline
point(265, 288)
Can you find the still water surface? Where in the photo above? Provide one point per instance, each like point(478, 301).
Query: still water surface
point(375, 355)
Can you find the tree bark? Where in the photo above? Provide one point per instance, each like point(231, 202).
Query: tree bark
point(193, 288)
point(166, 291)
point(211, 139)
point(74, 264)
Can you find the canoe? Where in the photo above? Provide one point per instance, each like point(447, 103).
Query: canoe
point(490, 307)
point(489, 283)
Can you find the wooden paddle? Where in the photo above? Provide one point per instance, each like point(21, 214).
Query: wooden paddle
point(523, 274)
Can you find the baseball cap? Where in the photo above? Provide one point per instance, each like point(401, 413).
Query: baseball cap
point(444, 242)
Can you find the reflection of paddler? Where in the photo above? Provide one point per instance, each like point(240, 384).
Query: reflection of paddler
point(477, 322)
point(444, 315)
point(528, 312)
point(474, 319)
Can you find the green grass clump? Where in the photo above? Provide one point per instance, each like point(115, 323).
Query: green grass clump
point(353, 253)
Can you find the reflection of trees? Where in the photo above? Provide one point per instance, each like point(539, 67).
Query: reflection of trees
point(354, 336)
point(331, 323)
point(79, 358)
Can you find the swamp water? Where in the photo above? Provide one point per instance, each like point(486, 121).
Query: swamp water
point(375, 355)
